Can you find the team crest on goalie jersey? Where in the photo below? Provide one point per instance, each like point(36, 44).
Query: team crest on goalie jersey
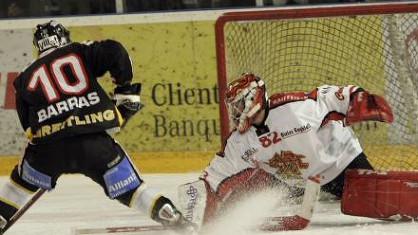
point(288, 163)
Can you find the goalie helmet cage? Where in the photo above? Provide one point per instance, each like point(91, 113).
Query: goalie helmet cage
point(374, 46)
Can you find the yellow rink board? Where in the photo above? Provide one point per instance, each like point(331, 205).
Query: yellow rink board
point(382, 157)
point(150, 162)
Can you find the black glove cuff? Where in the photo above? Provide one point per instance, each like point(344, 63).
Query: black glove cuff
point(130, 89)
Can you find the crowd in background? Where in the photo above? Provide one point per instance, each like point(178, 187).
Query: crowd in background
point(39, 8)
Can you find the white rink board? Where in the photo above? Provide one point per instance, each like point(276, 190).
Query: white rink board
point(79, 203)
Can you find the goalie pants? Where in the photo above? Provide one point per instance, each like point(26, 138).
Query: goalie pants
point(91, 155)
point(336, 186)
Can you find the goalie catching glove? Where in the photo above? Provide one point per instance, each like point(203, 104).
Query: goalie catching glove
point(368, 107)
point(127, 100)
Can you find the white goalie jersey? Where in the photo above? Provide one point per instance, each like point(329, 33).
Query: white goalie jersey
point(303, 135)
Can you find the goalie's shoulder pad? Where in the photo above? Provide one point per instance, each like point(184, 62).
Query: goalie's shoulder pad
point(279, 99)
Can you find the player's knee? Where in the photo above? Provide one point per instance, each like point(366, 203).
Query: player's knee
point(17, 179)
point(34, 179)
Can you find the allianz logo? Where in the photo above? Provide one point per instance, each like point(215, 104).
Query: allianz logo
point(123, 183)
point(296, 131)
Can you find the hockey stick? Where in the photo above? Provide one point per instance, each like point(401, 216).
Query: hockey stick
point(271, 224)
point(132, 229)
point(126, 229)
point(302, 219)
point(22, 210)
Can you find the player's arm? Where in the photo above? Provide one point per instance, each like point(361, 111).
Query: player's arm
point(353, 104)
point(110, 55)
point(21, 107)
point(127, 100)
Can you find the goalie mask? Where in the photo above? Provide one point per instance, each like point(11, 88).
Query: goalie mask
point(245, 97)
point(50, 35)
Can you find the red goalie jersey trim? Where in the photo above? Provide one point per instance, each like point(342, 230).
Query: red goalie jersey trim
point(284, 98)
point(388, 195)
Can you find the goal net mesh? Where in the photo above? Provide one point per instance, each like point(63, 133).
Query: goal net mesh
point(378, 52)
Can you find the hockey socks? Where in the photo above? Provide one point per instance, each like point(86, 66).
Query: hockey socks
point(12, 197)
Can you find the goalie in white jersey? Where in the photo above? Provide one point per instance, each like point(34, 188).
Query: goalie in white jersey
point(296, 133)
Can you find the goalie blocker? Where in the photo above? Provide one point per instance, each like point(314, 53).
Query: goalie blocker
point(390, 195)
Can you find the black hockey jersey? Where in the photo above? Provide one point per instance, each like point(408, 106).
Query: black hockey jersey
point(59, 96)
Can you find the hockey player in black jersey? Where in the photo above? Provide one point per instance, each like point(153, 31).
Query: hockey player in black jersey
point(67, 117)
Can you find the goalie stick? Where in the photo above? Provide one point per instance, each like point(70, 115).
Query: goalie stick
point(22, 210)
point(302, 219)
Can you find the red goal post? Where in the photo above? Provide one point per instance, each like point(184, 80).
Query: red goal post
point(298, 48)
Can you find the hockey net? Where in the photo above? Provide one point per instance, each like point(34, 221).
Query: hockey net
point(374, 46)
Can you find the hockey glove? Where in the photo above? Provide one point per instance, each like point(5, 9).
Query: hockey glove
point(368, 107)
point(127, 100)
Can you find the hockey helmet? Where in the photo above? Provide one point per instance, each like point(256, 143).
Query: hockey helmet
point(49, 35)
point(245, 97)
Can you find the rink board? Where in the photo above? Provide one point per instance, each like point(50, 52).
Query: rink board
point(150, 162)
point(183, 162)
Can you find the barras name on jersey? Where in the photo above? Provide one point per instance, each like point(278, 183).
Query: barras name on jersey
point(58, 95)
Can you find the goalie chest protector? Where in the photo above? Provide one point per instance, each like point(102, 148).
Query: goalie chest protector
point(390, 195)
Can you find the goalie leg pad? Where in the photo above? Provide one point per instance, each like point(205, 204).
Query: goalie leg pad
point(232, 189)
point(381, 195)
point(193, 201)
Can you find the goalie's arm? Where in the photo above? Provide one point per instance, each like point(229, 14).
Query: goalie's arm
point(352, 104)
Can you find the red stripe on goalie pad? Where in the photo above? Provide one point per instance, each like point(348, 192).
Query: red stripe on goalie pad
point(391, 195)
point(285, 223)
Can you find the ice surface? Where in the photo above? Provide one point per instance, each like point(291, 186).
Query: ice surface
point(79, 203)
